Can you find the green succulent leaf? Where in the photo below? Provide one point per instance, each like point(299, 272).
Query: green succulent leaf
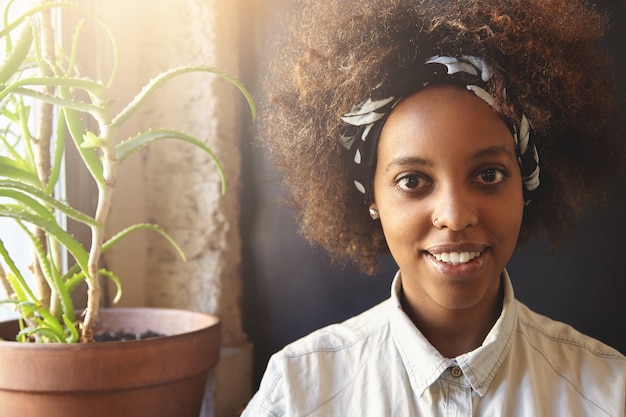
point(8, 301)
point(10, 168)
point(116, 281)
point(26, 201)
point(57, 158)
point(72, 335)
point(144, 226)
point(51, 273)
point(23, 192)
point(53, 229)
point(154, 83)
point(41, 332)
point(91, 140)
point(94, 88)
point(89, 155)
point(55, 100)
point(17, 54)
point(15, 277)
point(124, 149)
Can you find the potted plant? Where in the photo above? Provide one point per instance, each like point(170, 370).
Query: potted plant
point(57, 341)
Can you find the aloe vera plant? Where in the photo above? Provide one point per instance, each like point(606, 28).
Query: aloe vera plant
point(37, 74)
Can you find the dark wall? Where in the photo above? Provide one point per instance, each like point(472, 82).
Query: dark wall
point(291, 289)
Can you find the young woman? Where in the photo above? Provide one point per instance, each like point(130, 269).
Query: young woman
point(445, 133)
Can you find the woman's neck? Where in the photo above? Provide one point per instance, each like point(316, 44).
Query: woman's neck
point(455, 332)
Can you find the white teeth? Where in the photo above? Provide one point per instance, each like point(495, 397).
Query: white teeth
point(456, 258)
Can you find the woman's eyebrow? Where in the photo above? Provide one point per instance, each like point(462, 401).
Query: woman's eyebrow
point(409, 160)
point(496, 150)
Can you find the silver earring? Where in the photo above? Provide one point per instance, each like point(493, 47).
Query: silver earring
point(435, 220)
point(374, 214)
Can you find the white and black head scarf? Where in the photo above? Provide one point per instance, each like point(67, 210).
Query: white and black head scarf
point(365, 120)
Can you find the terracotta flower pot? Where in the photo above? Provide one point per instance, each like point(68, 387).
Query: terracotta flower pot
point(158, 377)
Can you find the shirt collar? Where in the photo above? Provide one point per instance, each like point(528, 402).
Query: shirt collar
point(425, 364)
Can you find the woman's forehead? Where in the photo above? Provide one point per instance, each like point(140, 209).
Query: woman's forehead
point(444, 112)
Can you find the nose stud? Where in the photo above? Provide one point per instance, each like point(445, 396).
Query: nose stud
point(436, 225)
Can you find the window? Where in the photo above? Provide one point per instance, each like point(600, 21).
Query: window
point(13, 237)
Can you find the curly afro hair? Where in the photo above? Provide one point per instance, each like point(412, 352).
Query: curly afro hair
point(546, 54)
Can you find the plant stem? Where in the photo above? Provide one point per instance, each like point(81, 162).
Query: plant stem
point(42, 289)
point(44, 124)
point(105, 196)
point(42, 151)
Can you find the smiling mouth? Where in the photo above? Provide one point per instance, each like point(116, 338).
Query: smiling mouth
point(455, 258)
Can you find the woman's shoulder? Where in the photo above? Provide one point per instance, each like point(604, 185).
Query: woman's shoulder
point(553, 335)
point(562, 362)
point(357, 330)
point(334, 354)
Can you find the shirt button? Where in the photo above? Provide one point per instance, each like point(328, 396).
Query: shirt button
point(456, 372)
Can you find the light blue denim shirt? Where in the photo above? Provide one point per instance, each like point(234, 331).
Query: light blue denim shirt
point(379, 364)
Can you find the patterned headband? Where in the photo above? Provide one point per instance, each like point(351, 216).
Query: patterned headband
point(365, 120)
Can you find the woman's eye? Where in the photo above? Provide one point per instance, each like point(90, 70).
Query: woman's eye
point(410, 182)
point(491, 176)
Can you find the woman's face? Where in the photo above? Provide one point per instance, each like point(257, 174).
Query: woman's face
point(445, 158)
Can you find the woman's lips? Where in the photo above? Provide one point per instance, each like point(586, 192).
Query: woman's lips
point(459, 261)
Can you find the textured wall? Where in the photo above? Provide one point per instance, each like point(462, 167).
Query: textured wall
point(177, 186)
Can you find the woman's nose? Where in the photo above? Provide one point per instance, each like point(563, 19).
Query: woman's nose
point(455, 209)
